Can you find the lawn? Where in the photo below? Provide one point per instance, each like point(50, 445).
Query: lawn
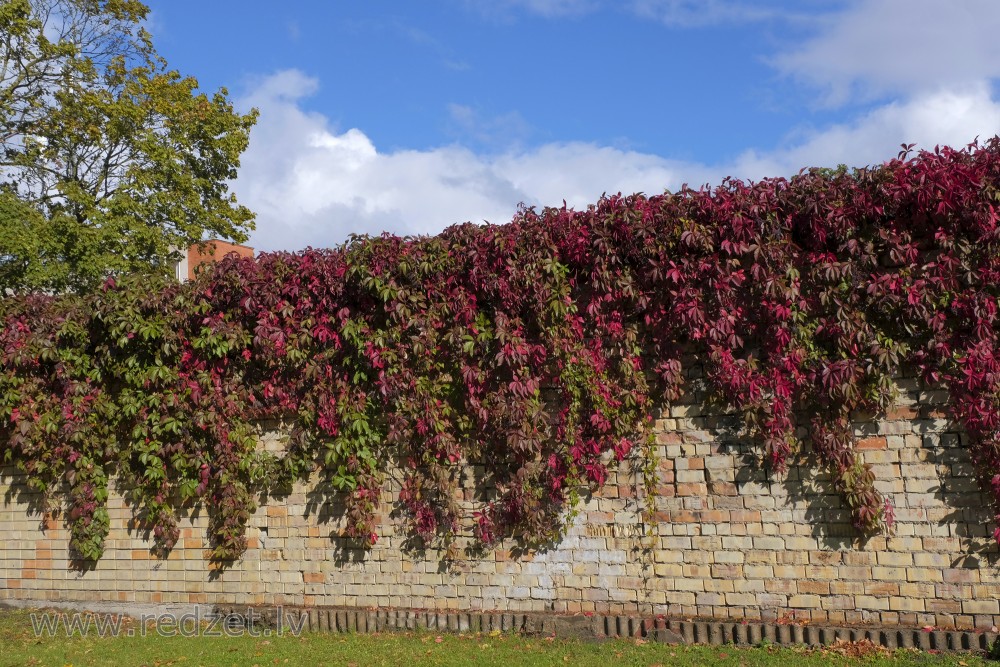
point(19, 645)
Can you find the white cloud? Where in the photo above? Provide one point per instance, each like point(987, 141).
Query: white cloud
point(500, 131)
point(882, 47)
point(312, 184)
point(945, 117)
point(581, 172)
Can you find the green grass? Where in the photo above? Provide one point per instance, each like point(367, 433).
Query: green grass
point(20, 646)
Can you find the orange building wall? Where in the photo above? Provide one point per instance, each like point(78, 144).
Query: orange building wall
point(213, 251)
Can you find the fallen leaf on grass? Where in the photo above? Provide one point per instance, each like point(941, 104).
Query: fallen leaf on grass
point(859, 649)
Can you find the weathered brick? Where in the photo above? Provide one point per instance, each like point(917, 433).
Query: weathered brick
point(889, 573)
point(765, 543)
point(895, 559)
point(871, 443)
point(804, 601)
point(960, 576)
point(870, 602)
point(905, 604)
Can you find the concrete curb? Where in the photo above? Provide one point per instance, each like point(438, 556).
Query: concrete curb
point(597, 628)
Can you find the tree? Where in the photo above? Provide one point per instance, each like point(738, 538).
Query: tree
point(108, 159)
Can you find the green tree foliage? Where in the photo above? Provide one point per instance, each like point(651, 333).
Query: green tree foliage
point(108, 159)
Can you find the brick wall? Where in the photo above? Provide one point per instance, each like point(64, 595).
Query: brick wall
point(209, 252)
point(729, 543)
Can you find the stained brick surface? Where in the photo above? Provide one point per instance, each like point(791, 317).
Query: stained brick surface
point(730, 542)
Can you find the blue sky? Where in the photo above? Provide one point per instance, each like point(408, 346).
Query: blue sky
point(411, 115)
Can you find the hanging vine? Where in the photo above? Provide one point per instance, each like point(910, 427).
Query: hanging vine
point(533, 349)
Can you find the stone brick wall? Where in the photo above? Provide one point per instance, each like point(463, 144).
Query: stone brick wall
point(729, 543)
